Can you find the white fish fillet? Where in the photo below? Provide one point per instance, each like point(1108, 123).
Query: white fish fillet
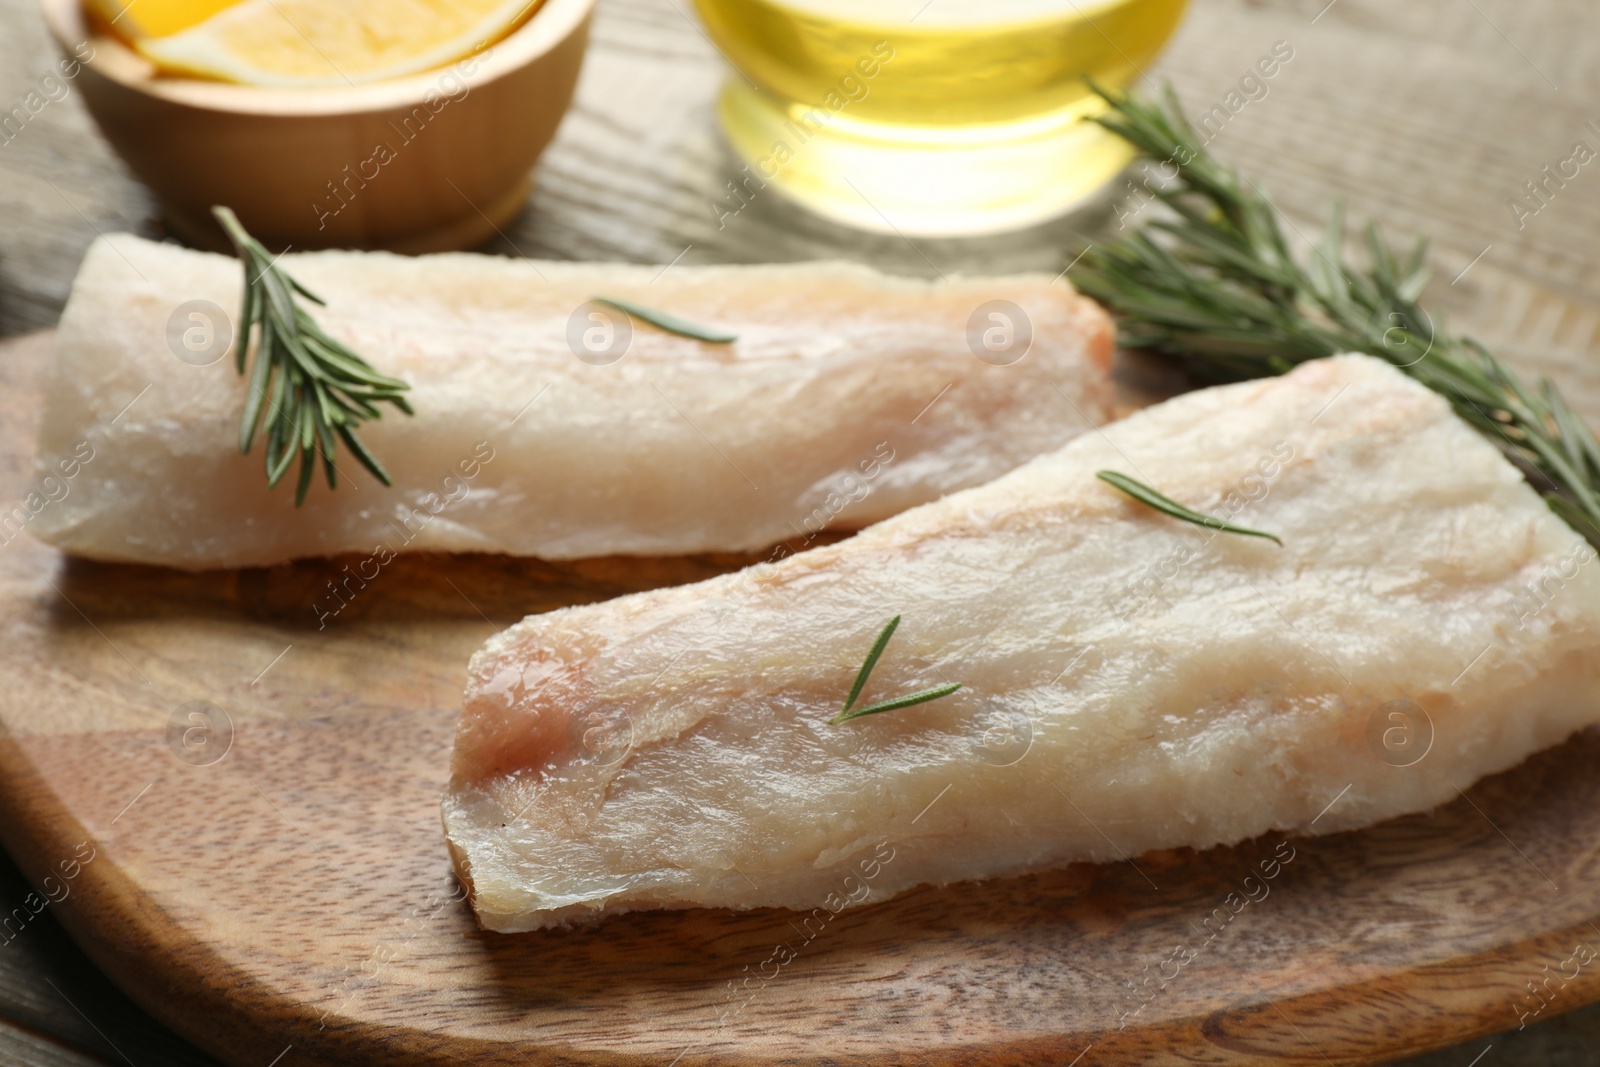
point(679, 446)
point(1131, 682)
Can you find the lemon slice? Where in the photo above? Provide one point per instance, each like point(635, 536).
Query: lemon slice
point(324, 43)
point(133, 19)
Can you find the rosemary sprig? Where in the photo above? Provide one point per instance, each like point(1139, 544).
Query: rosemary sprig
point(893, 703)
point(1216, 286)
point(1168, 506)
point(318, 389)
point(666, 321)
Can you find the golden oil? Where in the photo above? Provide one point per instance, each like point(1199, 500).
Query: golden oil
point(930, 116)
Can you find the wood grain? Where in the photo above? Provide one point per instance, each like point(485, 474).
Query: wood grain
point(294, 895)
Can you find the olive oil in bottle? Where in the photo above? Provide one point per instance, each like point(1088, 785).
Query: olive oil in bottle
point(930, 116)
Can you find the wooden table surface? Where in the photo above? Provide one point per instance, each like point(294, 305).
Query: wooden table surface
point(1430, 115)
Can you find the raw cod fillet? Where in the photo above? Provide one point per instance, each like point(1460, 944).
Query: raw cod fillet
point(849, 396)
point(1125, 674)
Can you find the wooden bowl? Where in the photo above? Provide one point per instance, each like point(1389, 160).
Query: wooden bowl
point(425, 163)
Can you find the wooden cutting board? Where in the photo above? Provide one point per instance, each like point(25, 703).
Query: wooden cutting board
point(270, 880)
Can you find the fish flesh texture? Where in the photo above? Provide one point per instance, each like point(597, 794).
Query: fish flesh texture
point(1130, 681)
point(547, 425)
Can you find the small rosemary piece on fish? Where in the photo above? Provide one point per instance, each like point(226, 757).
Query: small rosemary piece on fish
point(1168, 506)
point(893, 703)
point(318, 390)
point(668, 322)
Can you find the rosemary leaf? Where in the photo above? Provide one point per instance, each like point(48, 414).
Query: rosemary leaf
point(871, 661)
point(1168, 506)
point(310, 389)
point(1216, 287)
point(668, 322)
point(910, 699)
point(892, 704)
